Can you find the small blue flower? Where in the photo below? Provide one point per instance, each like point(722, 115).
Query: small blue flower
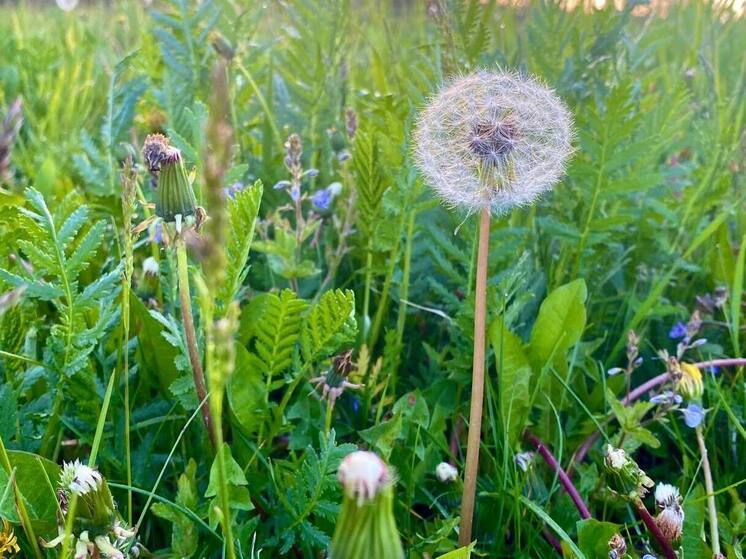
point(648, 556)
point(233, 189)
point(678, 331)
point(355, 404)
point(322, 199)
point(714, 370)
point(157, 232)
point(693, 415)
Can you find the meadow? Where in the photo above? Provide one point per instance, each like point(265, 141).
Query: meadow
point(246, 292)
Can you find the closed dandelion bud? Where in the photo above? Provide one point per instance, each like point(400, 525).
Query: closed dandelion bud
point(493, 140)
point(366, 528)
point(670, 519)
point(626, 477)
point(689, 381)
point(174, 199)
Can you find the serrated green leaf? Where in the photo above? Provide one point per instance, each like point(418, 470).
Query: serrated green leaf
point(330, 325)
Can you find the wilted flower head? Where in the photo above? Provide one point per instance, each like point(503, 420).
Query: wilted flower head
point(617, 547)
point(446, 473)
point(8, 541)
point(78, 478)
point(174, 194)
point(670, 519)
point(493, 139)
point(626, 477)
point(334, 382)
point(363, 474)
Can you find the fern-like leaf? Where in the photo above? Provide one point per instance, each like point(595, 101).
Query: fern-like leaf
point(330, 325)
point(242, 210)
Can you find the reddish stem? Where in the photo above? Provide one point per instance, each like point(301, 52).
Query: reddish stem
point(551, 461)
point(652, 527)
point(644, 388)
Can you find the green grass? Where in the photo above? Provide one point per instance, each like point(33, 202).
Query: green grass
point(650, 215)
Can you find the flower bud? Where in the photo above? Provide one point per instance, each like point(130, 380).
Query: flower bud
point(366, 526)
point(446, 473)
point(174, 196)
point(689, 381)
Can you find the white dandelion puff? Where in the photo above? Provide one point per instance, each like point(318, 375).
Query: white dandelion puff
point(670, 519)
point(363, 474)
point(493, 139)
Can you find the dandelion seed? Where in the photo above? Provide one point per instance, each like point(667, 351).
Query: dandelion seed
point(493, 139)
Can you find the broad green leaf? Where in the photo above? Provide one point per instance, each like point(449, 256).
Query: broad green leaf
point(184, 536)
point(36, 478)
point(460, 553)
point(594, 536)
point(513, 377)
point(560, 322)
point(694, 518)
point(154, 354)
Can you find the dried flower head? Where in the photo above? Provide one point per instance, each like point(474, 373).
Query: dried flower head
point(493, 139)
point(154, 150)
point(334, 382)
point(625, 476)
point(670, 519)
point(617, 547)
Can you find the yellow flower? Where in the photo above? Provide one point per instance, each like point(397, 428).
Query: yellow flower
point(8, 542)
point(690, 383)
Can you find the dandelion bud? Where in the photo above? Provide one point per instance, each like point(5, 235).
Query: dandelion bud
point(446, 473)
point(626, 477)
point(174, 196)
point(689, 381)
point(670, 519)
point(493, 139)
point(366, 526)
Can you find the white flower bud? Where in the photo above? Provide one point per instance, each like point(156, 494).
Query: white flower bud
point(150, 267)
point(446, 473)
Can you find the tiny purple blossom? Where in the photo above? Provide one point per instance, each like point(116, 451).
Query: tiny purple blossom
point(232, 190)
point(678, 331)
point(714, 370)
point(693, 415)
point(322, 199)
point(666, 398)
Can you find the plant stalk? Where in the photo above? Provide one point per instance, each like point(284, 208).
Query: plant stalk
point(709, 487)
point(477, 385)
point(652, 527)
point(191, 336)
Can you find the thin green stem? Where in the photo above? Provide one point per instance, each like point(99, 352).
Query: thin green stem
point(710, 488)
point(328, 418)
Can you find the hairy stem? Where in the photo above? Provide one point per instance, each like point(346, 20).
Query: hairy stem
point(564, 479)
point(191, 336)
point(477, 385)
point(652, 527)
point(710, 488)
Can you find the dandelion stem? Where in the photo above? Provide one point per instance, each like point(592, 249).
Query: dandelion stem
point(477, 386)
point(328, 418)
point(191, 336)
point(652, 527)
point(709, 487)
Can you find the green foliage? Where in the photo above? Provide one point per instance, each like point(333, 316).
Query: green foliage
point(242, 211)
point(184, 537)
point(330, 325)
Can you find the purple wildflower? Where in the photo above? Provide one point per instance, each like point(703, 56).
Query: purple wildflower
point(678, 331)
point(322, 199)
point(232, 190)
point(693, 415)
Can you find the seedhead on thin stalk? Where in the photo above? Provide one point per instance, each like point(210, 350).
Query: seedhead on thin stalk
point(488, 142)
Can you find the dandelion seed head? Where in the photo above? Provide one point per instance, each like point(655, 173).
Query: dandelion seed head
point(363, 474)
point(493, 139)
point(446, 473)
point(670, 519)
